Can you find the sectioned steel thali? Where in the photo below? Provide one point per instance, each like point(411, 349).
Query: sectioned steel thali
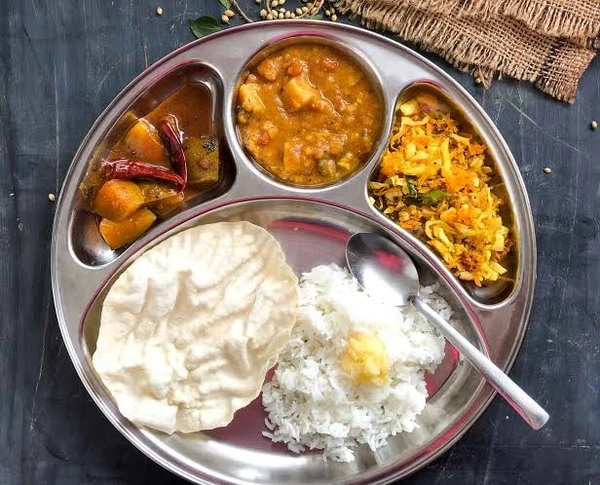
point(312, 225)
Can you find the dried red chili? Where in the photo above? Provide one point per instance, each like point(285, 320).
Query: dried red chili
point(171, 137)
point(133, 169)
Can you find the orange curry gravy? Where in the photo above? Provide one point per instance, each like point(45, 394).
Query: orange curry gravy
point(309, 114)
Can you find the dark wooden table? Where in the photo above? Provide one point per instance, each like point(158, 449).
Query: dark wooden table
point(61, 62)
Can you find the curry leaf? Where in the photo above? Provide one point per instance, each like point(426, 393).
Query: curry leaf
point(204, 25)
point(412, 188)
point(433, 197)
point(226, 3)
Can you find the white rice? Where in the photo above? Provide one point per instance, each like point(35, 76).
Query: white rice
point(312, 403)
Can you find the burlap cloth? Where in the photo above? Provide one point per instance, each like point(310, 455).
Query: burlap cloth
point(547, 42)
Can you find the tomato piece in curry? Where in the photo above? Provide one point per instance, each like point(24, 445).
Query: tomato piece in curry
point(309, 114)
point(162, 160)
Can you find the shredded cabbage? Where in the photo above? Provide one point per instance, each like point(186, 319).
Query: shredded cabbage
point(433, 181)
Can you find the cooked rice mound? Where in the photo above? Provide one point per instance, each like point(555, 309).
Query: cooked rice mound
point(354, 370)
point(433, 180)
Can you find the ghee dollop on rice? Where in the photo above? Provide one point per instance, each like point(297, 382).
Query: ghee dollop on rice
point(434, 181)
point(333, 387)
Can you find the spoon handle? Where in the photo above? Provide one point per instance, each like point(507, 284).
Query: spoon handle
point(520, 401)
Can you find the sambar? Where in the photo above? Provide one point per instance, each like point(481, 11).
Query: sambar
point(308, 114)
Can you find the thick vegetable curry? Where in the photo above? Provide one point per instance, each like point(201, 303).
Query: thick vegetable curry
point(308, 114)
point(163, 159)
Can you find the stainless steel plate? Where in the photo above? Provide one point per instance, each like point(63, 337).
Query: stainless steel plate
point(312, 226)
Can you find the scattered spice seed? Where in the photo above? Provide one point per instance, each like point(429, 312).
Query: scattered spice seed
point(334, 18)
point(328, 13)
point(270, 17)
point(263, 14)
point(274, 3)
point(229, 13)
point(52, 197)
point(258, 1)
point(280, 16)
point(547, 170)
point(304, 9)
point(282, 10)
point(159, 10)
point(225, 19)
point(594, 125)
point(281, 2)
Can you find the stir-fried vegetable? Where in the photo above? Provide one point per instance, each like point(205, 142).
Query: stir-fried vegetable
point(433, 180)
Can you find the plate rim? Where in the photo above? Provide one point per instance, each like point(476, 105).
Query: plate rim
point(206, 208)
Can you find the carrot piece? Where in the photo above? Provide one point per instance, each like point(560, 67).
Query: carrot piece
point(118, 199)
point(145, 143)
point(295, 68)
point(120, 233)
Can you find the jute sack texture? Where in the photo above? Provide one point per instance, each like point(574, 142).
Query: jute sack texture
point(547, 42)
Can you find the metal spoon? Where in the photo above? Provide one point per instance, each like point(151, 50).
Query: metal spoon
point(385, 270)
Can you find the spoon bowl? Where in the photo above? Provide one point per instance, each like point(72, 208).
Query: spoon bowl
point(377, 263)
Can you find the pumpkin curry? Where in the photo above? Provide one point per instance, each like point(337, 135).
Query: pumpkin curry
point(164, 159)
point(308, 114)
